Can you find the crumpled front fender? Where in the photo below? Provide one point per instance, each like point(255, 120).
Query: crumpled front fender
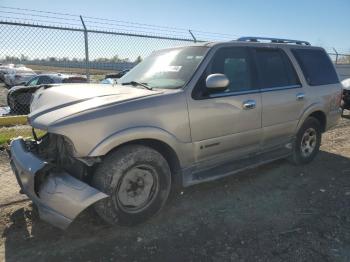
point(60, 197)
point(67, 196)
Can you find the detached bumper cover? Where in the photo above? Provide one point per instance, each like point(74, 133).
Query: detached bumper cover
point(60, 197)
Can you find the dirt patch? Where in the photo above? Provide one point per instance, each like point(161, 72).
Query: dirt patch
point(3, 94)
point(9, 192)
point(277, 212)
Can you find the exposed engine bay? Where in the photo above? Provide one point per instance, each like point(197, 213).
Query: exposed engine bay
point(58, 152)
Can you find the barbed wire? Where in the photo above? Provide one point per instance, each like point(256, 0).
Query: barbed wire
point(38, 11)
point(39, 21)
point(18, 14)
point(116, 24)
point(45, 16)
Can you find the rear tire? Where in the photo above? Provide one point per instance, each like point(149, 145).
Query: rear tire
point(307, 142)
point(138, 181)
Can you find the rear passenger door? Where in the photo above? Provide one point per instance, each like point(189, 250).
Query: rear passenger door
point(283, 98)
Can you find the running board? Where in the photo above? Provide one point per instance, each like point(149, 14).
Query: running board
point(235, 166)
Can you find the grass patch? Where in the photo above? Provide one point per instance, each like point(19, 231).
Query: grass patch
point(13, 120)
point(6, 134)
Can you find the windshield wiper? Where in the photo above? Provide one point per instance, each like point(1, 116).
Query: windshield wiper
point(135, 83)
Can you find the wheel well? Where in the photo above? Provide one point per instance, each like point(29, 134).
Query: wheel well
point(321, 117)
point(168, 153)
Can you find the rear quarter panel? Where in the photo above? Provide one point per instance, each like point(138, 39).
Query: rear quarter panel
point(324, 98)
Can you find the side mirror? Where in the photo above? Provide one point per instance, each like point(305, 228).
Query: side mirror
point(217, 82)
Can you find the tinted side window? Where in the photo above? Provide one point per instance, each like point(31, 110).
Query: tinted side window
point(45, 80)
point(316, 66)
point(235, 63)
point(275, 68)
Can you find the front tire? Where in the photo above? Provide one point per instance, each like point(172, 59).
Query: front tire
point(307, 142)
point(137, 179)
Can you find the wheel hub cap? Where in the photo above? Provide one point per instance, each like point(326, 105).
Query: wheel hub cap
point(137, 188)
point(308, 142)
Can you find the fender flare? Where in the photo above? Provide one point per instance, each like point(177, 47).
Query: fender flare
point(138, 133)
point(308, 111)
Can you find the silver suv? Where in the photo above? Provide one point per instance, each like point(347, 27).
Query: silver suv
point(182, 116)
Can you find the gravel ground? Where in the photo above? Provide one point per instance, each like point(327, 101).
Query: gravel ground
point(9, 187)
point(277, 212)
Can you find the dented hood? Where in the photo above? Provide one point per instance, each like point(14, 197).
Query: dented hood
point(60, 101)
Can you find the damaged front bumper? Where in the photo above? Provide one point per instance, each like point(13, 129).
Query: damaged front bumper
point(59, 197)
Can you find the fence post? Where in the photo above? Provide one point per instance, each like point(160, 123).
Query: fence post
point(86, 50)
point(336, 55)
point(194, 39)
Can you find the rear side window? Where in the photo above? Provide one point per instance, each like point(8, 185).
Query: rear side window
point(275, 68)
point(316, 66)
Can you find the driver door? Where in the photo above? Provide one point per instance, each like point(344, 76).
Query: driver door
point(226, 124)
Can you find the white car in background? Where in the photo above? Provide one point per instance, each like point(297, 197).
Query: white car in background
point(18, 75)
point(345, 105)
point(4, 69)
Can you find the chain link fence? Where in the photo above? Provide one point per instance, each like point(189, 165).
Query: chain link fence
point(31, 55)
point(76, 49)
point(88, 55)
point(340, 59)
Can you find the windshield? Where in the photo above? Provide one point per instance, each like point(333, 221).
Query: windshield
point(166, 68)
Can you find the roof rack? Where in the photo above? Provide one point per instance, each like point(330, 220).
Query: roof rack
point(273, 40)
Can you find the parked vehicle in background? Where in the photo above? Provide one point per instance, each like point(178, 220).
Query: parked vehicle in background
point(117, 75)
point(17, 78)
point(346, 94)
point(108, 81)
point(4, 69)
point(19, 97)
point(112, 78)
point(180, 117)
point(18, 75)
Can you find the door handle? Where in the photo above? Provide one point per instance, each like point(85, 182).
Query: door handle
point(249, 104)
point(300, 96)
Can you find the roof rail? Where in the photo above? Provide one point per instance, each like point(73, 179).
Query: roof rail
point(273, 40)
